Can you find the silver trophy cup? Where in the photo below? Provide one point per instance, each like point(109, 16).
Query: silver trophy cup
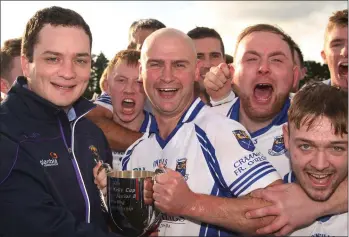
point(125, 201)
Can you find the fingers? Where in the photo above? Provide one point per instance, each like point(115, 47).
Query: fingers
point(265, 194)
point(96, 168)
point(100, 177)
point(284, 231)
point(275, 226)
point(148, 191)
point(225, 69)
point(262, 212)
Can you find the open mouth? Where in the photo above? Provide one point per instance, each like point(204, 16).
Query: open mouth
point(320, 179)
point(62, 87)
point(263, 92)
point(167, 92)
point(343, 69)
point(128, 103)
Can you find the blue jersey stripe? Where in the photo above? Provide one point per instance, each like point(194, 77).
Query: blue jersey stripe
point(256, 179)
point(248, 173)
point(127, 157)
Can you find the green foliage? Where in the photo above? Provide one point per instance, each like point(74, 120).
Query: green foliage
point(99, 63)
point(315, 71)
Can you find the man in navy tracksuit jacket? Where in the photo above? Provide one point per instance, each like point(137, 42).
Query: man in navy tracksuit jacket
point(48, 149)
point(46, 182)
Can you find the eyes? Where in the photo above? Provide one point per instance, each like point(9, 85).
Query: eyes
point(156, 65)
point(56, 60)
point(332, 148)
point(272, 60)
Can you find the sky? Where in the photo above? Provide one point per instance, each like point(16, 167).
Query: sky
point(304, 21)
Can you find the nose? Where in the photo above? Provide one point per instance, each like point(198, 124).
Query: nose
point(129, 87)
point(319, 161)
point(264, 67)
point(167, 74)
point(344, 51)
point(67, 70)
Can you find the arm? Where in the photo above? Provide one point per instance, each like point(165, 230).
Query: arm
point(228, 213)
point(293, 214)
point(119, 137)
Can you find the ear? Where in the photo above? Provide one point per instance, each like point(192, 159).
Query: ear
point(286, 134)
point(140, 78)
point(4, 86)
point(25, 65)
point(323, 55)
point(197, 70)
point(296, 73)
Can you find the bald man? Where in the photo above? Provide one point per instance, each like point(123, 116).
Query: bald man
point(210, 159)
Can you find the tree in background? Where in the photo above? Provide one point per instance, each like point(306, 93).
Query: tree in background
point(99, 63)
point(315, 71)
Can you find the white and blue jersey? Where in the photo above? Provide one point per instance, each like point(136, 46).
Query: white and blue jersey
point(333, 225)
point(104, 100)
point(215, 156)
point(148, 124)
point(269, 140)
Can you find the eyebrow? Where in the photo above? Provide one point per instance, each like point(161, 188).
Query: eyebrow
point(276, 53)
point(60, 54)
point(311, 142)
point(337, 40)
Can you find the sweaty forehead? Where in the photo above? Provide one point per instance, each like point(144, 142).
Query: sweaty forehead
point(263, 43)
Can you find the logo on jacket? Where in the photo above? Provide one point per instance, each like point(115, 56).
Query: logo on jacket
point(52, 161)
point(95, 153)
point(278, 147)
point(244, 140)
point(181, 167)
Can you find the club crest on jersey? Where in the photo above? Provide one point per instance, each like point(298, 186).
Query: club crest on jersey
point(244, 140)
point(94, 152)
point(181, 167)
point(278, 147)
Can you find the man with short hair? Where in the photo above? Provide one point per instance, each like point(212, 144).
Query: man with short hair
point(48, 149)
point(317, 138)
point(127, 96)
point(335, 51)
point(210, 51)
point(263, 74)
point(119, 137)
point(10, 61)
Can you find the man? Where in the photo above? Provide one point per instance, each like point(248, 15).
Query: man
point(335, 51)
point(127, 96)
point(48, 148)
point(317, 139)
point(119, 137)
point(299, 62)
point(263, 75)
point(210, 159)
point(10, 64)
point(210, 51)
point(139, 31)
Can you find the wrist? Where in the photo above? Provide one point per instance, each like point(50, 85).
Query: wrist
point(191, 208)
point(223, 99)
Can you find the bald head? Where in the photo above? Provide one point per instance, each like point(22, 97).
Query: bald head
point(166, 40)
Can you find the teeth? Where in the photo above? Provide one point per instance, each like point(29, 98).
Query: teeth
point(344, 64)
point(128, 100)
point(168, 90)
point(319, 176)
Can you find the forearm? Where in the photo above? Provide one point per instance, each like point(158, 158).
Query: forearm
point(119, 137)
point(228, 213)
point(338, 202)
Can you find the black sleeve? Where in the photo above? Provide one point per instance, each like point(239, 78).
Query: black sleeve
point(29, 206)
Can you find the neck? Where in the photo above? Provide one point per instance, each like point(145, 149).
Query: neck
point(252, 125)
point(133, 125)
point(166, 124)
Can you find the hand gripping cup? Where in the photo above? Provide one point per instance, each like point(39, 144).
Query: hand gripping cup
point(125, 201)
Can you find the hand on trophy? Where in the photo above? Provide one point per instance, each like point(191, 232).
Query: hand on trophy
point(100, 178)
point(172, 194)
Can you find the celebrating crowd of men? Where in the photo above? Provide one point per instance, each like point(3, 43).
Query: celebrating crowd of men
point(246, 151)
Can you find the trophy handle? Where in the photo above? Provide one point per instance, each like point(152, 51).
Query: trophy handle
point(158, 218)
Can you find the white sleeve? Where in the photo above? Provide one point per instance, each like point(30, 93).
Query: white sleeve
point(223, 109)
point(227, 99)
point(241, 166)
point(104, 100)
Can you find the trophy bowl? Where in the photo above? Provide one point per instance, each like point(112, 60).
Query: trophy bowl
point(125, 202)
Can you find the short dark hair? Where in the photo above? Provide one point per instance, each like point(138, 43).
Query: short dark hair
point(300, 54)
point(10, 50)
point(316, 99)
point(145, 24)
point(266, 28)
point(55, 16)
point(229, 58)
point(205, 32)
